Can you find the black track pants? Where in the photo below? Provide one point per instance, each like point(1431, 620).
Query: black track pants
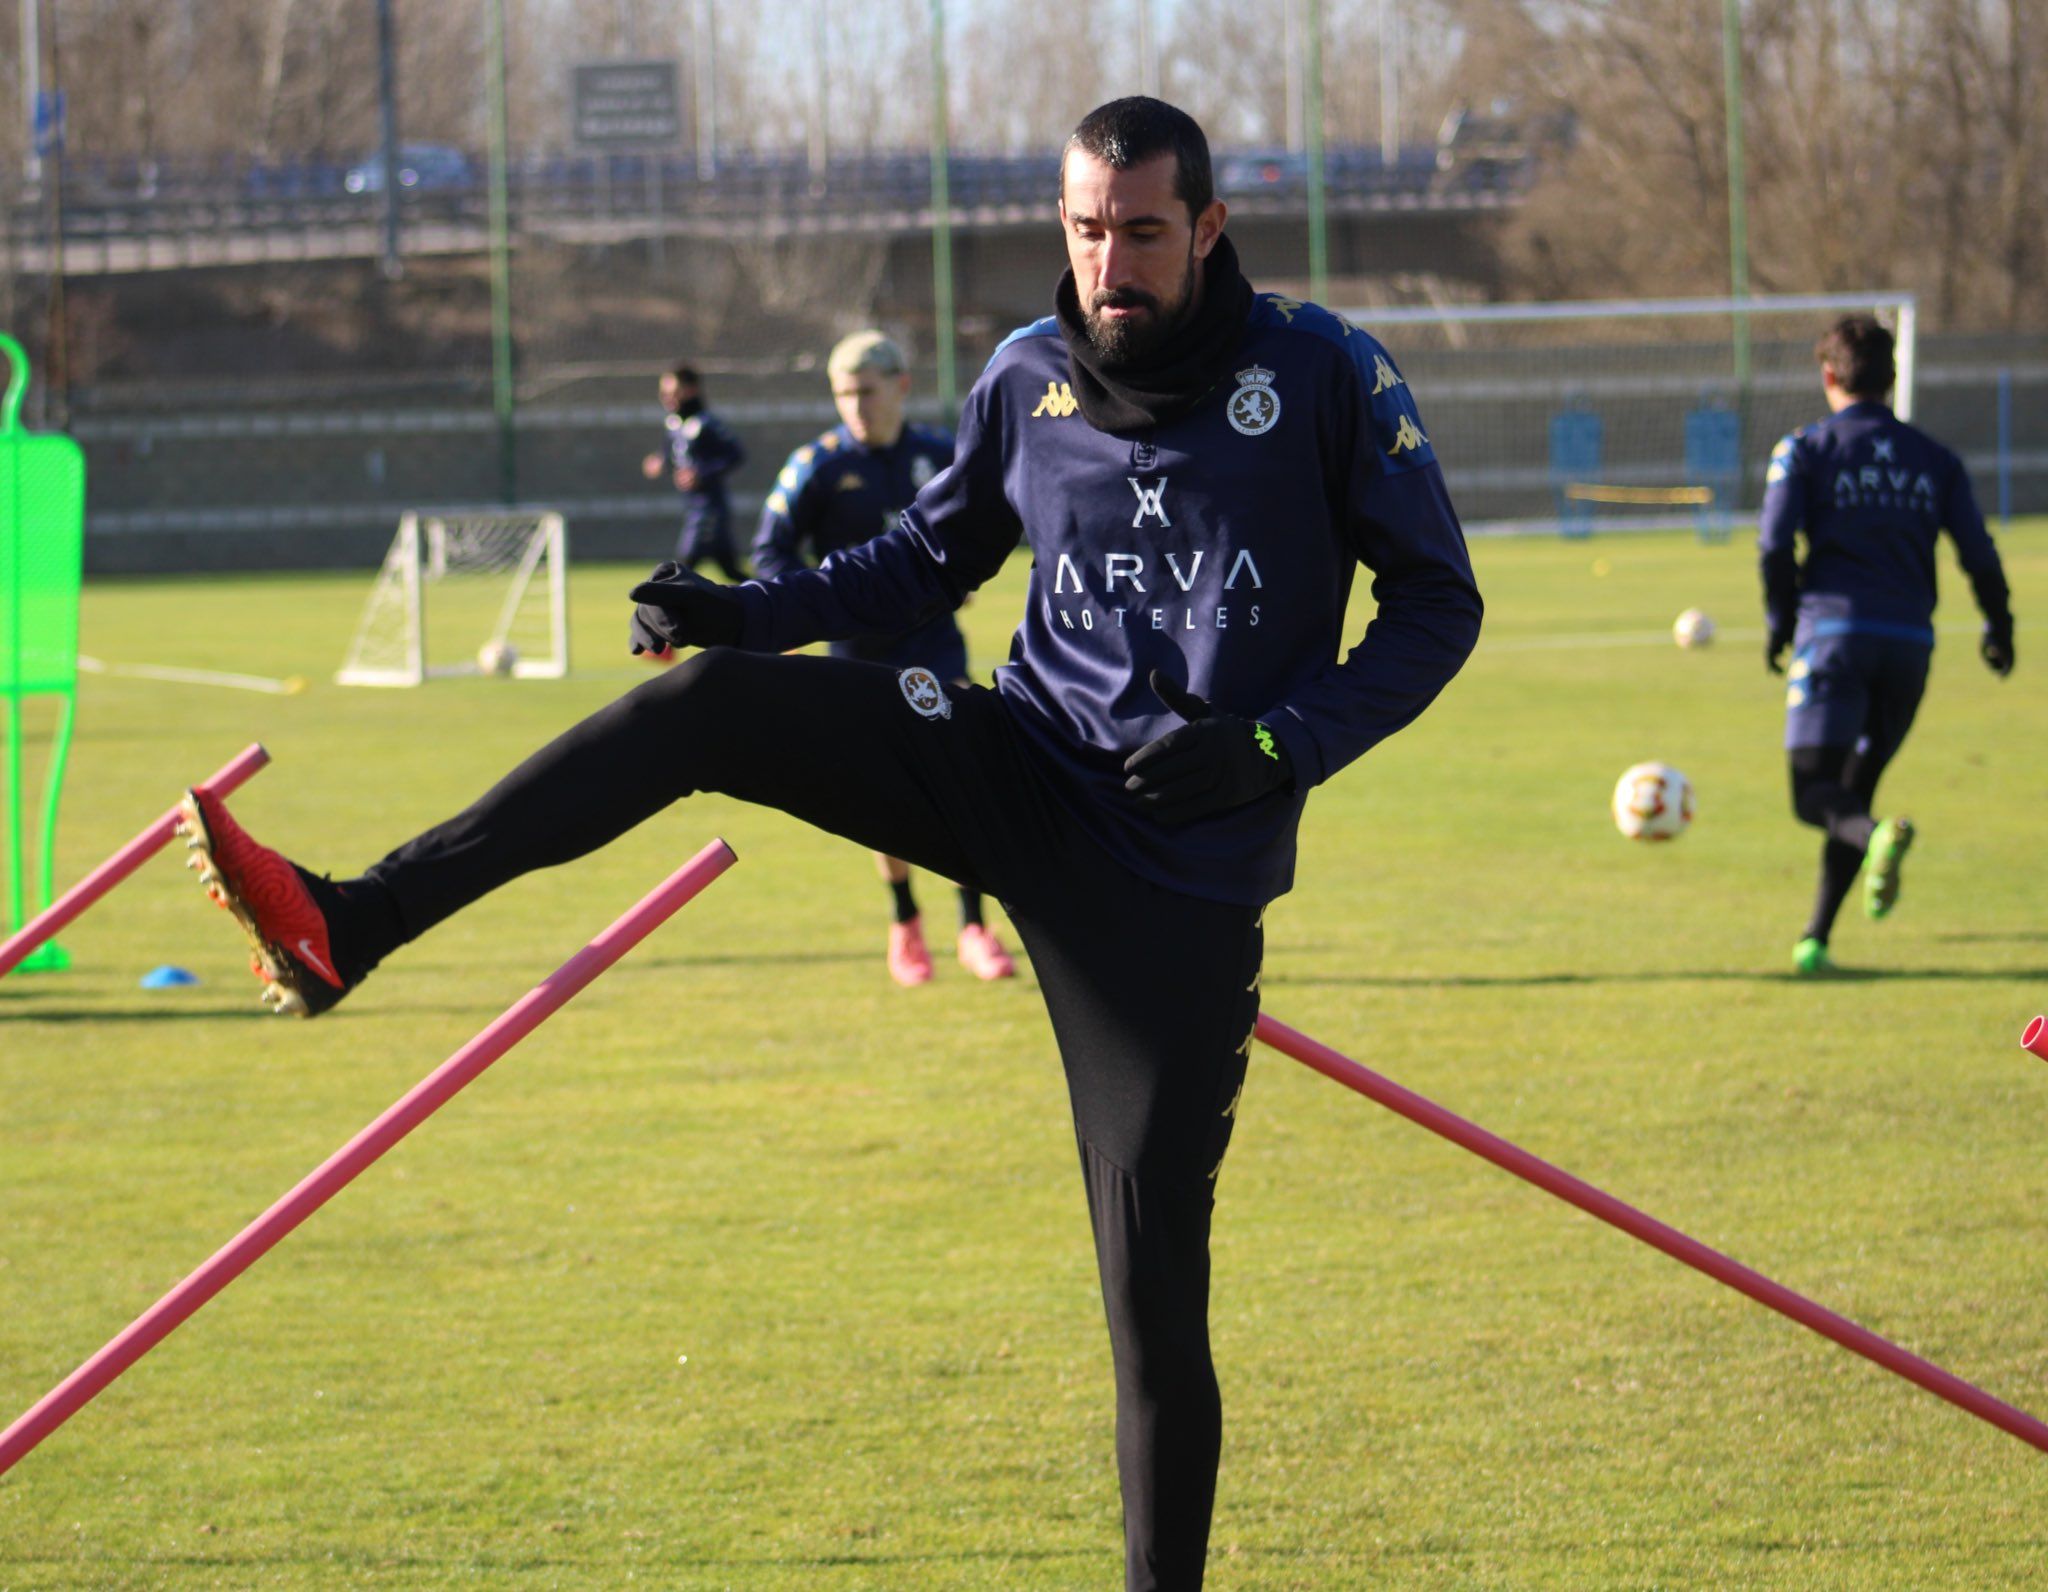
point(1152, 993)
point(1833, 789)
point(1848, 716)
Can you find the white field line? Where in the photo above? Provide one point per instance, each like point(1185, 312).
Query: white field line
point(291, 685)
point(1593, 639)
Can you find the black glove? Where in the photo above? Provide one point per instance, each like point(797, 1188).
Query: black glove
point(1775, 644)
point(1996, 647)
point(680, 608)
point(1212, 763)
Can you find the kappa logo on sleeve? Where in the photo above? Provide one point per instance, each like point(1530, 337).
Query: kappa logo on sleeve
point(1408, 437)
point(1391, 416)
point(1058, 402)
point(926, 696)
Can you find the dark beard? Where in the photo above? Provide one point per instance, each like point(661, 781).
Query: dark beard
point(1136, 342)
point(1204, 350)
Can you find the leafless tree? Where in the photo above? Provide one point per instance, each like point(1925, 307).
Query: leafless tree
point(1026, 73)
point(1887, 145)
point(1889, 142)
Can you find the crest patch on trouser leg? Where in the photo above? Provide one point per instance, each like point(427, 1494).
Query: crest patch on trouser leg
point(925, 694)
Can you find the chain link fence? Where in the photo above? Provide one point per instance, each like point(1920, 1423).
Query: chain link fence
point(254, 388)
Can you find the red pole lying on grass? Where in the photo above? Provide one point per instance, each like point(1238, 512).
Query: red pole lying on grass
point(53, 918)
point(2035, 1037)
point(1511, 1158)
point(339, 1169)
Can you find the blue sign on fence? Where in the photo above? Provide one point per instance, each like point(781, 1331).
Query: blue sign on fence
point(1576, 439)
point(1713, 459)
point(47, 124)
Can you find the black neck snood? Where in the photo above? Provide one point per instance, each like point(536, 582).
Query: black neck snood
point(1136, 395)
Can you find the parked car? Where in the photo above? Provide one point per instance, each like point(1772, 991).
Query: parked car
point(422, 168)
point(1262, 173)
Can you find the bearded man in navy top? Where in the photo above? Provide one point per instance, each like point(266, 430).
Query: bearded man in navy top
point(1871, 495)
point(1200, 470)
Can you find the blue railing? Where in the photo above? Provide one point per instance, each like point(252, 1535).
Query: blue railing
point(133, 196)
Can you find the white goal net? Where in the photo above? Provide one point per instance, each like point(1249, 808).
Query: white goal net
point(1625, 415)
point(466, 593)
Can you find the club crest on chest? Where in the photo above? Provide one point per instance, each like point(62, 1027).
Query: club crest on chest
point(1254, 408)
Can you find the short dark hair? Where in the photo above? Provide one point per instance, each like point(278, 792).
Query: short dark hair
point(1859, 352)
point(1128, 132)
point(687, 375)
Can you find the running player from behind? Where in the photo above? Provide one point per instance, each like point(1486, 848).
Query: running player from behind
point(1871, 494)
point(847, 487)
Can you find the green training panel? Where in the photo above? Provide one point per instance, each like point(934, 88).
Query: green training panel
point(42, 563)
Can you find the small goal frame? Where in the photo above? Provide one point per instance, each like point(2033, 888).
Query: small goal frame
point(419, 557)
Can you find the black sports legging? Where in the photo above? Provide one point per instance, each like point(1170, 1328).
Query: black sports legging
point(1152, 993)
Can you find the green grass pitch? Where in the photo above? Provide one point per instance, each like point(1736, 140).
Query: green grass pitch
point(750, 1270)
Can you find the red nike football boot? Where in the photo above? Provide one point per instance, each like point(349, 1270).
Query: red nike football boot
point(292, 949)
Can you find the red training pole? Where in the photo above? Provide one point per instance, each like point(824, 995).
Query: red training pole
point(341, 1168)
point(53, 918)
point(1594, 1202)
point(2035, 1037)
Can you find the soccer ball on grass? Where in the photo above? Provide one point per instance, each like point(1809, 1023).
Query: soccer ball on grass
point(1693, 629)
point(1652, 801)
point(496, 657)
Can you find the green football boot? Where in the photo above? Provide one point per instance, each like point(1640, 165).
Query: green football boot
point(1888, 846)
point(1810, 958)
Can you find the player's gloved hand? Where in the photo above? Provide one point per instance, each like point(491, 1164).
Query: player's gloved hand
point(680, 608)
point(1996, 646)
point(1774, 650)
point(1212, 763)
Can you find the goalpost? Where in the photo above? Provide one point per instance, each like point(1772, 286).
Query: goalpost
point(1646, 414)
point(495, 585)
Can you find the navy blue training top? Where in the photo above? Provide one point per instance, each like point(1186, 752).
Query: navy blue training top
point(706, 444)
point(1872, 494)
point(1218, 547)
point(835, 493)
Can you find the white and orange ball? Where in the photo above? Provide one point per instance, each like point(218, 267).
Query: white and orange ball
point(1652, 801)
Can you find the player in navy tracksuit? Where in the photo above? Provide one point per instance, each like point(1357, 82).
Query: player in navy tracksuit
point(697, 453)
point(1871, 495)
point(844, 488)
point(1200, 471)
